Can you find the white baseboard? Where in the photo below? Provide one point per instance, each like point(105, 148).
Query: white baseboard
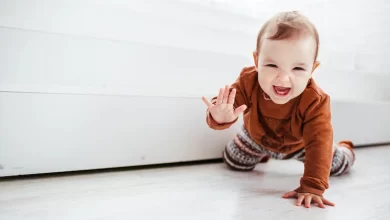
point(44, 133)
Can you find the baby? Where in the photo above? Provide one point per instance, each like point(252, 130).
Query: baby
point(286, 114)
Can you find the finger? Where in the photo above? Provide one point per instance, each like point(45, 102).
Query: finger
point(225, 95)
point(300, 200)
point(207, 102)
point(239, 110)
point(290, 195)
point(220, 96)
point(327, 202)
point(232, 96)
point(319, 202)
point(308, 201)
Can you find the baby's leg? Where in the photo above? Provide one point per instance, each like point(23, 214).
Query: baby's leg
point(343, 158)
point(240, 155)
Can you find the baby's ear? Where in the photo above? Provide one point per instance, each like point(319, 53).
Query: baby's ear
point(316, 64)
point(255, 58)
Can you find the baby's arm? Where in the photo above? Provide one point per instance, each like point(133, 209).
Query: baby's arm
point(318, 137)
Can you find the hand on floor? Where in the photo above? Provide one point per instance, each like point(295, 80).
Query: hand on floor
point(307, 199)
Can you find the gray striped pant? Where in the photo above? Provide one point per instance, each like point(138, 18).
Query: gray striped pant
point(243, 154)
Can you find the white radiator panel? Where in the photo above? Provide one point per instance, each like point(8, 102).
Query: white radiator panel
point(42, 133)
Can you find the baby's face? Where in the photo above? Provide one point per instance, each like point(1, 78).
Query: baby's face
point(285, 66)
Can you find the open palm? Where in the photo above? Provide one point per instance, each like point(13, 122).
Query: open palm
point(223, 110)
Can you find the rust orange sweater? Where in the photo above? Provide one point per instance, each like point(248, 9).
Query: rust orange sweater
point(303, 122)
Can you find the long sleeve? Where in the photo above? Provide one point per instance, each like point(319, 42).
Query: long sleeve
point(243, 86)
point(318, 138)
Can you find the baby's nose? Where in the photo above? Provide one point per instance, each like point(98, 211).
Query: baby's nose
point(283, 76)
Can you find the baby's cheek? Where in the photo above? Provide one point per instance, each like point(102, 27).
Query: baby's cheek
point(299, 87)
point(266, 75)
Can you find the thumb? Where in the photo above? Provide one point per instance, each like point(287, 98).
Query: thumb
point(207, 102)
point(239, 110)
point(289, 194)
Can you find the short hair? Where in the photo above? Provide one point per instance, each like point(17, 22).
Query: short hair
point(288, 24)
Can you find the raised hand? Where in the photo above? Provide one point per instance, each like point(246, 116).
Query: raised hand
point(223, 110)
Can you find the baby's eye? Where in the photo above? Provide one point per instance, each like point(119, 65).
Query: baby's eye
point(271, 65)
point(299, 68)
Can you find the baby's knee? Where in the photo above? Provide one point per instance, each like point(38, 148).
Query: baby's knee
point(238, 159)
point(343, 160)
point(236, 164)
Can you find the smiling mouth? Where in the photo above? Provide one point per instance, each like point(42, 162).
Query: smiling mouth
point(281, 91)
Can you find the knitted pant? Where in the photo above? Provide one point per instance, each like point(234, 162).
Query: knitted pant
point(243, 154)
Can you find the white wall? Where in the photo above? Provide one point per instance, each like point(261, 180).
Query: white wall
point(83, 82)
point(81, 46)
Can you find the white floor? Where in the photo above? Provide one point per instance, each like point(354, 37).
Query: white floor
point(208, 191)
